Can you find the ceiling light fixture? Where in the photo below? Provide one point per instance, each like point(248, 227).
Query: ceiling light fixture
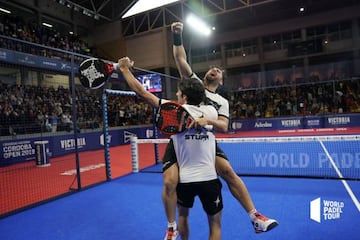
point(146, 5)
point(47, 25)
point(5, 10)
point(198, 25)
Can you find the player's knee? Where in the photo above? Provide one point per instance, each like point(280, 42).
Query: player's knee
point(170, 184)
point(170, 178)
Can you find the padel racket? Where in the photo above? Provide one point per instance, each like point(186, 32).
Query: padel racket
point(95, 72)
point(172, 118)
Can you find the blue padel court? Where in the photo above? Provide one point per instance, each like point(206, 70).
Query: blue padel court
point(130, 207)
point(310, 185)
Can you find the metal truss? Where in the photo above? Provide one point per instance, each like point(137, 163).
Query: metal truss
point(113, 10)
point(108, 10)
point(164, 16)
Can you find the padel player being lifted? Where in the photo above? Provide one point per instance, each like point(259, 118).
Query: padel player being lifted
point(212, 80)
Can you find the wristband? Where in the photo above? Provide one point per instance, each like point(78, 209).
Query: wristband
point(177, 39)
point(209, 127)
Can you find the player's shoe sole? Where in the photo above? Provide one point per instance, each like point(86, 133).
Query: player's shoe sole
point(269, 227)
point(263, 224)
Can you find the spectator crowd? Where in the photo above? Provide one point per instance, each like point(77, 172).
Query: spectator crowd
point(26, 109)
point(33, 32)
point(302, 100)
point(34, 109)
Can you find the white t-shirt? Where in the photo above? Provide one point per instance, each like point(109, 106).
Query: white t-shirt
point(220, 103)
point(207, 111)
point(195, 148)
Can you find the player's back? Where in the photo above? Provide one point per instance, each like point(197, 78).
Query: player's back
point(195, 151)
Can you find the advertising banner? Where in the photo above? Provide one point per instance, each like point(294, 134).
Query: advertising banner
point(295, 158)
point(342, 120)
point(299, 122)
point(35, 61)
point(15, 151)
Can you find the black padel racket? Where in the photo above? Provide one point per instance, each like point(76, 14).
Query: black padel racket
point(95, 72)
point(172, 118)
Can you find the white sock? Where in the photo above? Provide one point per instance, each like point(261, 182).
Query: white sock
point(172, 225)
point(252, 214)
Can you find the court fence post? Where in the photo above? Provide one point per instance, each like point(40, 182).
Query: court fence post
point(134, 154)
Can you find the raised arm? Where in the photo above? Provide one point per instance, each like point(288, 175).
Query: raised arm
point(220, 124)
point(179, 50)
point(124, 65)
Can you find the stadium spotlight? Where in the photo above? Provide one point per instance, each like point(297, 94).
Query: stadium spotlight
point(5, 10)
point(47, 25)
point(145, 5)
point(198, 25)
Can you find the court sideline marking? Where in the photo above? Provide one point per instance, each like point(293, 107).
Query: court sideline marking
point(346, 185)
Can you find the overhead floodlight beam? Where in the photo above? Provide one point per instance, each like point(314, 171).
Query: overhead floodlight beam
point(5, 10)
point(198, 25)
point(146, 5)
point(47, 25)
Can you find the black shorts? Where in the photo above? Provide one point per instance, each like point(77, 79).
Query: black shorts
point(169, 157)
point(209, 193)
point(220, 153)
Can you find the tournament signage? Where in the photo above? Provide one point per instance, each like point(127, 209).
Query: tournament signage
point(300, 122)
point(325, 210)
point(15, 151)
point(35, 61)
point(343, 120)
point(268, 124)
point(298, 156)
point(18, 149)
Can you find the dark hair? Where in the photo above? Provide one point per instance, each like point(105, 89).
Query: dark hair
point(194, 90)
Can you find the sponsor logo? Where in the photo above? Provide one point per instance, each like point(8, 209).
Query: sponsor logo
point(313, 122)
point(325, 210)
point(91, 73)
point(27, 60)
point(128, 135)
point(149, 133)
point(342, 160)
point(17, 149)
point(49, 63)
point(263, 125)
point(202, 137)
point(338, 120)
point(282, 160)
point(69, 144)
point(236, 125)
point(102, 139)
point(291, 123)
point(302, 160)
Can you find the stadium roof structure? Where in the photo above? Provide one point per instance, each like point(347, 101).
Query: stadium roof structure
point(225, 15)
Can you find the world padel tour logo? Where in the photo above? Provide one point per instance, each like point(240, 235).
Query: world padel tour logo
point(324, 210)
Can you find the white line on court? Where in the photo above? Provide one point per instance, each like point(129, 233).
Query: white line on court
point(346, 185)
